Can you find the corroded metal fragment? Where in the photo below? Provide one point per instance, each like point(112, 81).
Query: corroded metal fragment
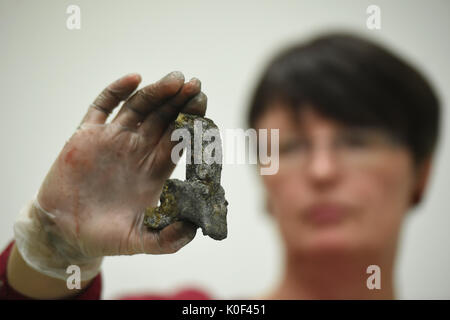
point(199, 199)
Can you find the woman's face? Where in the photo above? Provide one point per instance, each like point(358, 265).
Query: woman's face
point(337, 188)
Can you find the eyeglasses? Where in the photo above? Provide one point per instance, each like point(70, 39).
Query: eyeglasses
point(349, 148)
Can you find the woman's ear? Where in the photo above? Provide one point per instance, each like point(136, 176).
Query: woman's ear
point(423, 174)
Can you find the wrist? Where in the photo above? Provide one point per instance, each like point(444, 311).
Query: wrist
point(31, 283)
point(43, 248)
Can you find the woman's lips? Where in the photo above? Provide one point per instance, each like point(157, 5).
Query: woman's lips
point(325, 213)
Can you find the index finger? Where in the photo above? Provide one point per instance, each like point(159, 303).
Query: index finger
point(110, 97)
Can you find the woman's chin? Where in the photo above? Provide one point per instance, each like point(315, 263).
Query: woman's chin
point(330, 241)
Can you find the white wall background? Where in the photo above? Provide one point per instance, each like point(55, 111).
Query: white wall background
point(49, 75)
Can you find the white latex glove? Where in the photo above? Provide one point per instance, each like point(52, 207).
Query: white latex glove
point(92, 201)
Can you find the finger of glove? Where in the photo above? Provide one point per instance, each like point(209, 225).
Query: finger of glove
point(170, 239)
point(156, 122)
point(147, 99)
point(110, 98)
point(197, 105)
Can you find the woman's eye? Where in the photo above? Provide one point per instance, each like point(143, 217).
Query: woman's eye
point(355, 140)
point(292, 146)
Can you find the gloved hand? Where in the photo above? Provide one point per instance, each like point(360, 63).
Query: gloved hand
point(92, 201)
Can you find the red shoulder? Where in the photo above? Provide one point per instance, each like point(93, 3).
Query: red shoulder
point(183, 294)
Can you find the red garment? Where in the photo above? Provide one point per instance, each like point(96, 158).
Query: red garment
point(93, 291)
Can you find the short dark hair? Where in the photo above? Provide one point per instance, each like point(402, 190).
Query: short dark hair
point(356, 82)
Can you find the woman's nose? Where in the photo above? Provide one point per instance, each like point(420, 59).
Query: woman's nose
point(323, 166)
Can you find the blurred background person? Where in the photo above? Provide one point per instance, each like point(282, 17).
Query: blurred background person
point(358, 129)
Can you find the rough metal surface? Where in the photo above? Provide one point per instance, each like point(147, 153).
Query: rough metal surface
point(199, 199)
